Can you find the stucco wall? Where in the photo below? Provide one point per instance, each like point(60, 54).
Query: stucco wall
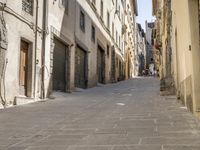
point(18, 30)
point(186, 46)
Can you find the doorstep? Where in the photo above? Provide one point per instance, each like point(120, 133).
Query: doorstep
point(21, 100)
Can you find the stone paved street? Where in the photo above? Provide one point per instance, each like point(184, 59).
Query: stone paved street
point(129, 115)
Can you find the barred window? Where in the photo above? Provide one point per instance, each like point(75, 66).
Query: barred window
point(27, 6)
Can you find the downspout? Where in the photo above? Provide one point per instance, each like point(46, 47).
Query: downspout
point(36, 61)
point(44, 27)
point(4, 60)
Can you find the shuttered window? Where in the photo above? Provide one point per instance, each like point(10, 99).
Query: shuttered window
point(82, 21)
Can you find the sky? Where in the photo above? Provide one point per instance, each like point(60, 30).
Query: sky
point(144, 12)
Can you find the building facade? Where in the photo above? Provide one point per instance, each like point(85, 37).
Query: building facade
point(140, 50)
point(23, 31)
point(130, 31)
point(178, 41)
point(149, 46)
point(61, 45)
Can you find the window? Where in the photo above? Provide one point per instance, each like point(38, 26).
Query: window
point(27, 6)
point(101, 8)
point(116, 62)
point(93, 33)
point(119, 12)
point(119, 42)
point(65, 4)
point(82, 21)
point(116, 37)
point(122, 46)
point(113, 28)
point(116, 4)
point(113, 2)
point(108, 50)
point(108, 20)
point(94, 2)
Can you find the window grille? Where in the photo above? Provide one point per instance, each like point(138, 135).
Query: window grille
point(27, 6)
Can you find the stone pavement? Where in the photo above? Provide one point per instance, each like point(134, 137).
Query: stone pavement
point(129, 115)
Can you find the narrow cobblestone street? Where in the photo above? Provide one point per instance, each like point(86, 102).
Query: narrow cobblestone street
point(129, 115)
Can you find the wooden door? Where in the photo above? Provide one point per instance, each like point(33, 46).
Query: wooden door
point(23, 64)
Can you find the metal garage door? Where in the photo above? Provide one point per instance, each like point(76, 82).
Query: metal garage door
point(80, 74)
point(100, 65)
point(113, 66)
point(59, 66)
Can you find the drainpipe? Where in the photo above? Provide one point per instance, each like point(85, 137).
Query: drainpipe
point(36, 34)
point(44, 27)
